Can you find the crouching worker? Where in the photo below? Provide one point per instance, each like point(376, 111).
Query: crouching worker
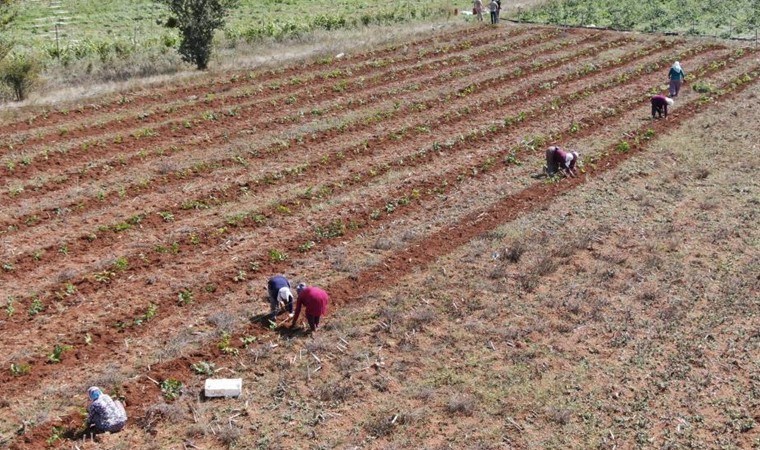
point(660, 105)
point(558, 159)
point(279, 296)
point(104, 414)
point(314, 300)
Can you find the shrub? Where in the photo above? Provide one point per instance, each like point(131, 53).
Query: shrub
point(20, 73)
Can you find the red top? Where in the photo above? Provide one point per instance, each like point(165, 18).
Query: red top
point(659, 100)
point(314, 299)
point(560, 157)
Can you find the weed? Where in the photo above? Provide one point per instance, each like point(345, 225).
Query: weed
point(241, 276)
point(166, 215)
point(104, 276)
point(334, 229)
point(703, 87)
point(171, 389)
point(9, 309)
point(57, 354)
point(56, 435)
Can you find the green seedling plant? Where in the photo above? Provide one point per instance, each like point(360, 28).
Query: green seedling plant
point(277, 255)
point(9, 308)
point(185, 297)
point(56, 435)
point(57, 354)
point(171, 389)
point(20, 369)
point(36, 306)
point(203, 368)
point(225, 345)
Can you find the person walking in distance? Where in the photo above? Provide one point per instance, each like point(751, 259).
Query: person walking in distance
point(558, 159)
point(660, 105)
point(676, 76)
point(477, 9)
point(493, 8)
point(314, 300)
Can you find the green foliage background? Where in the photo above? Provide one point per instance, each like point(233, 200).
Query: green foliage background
point(723, 18)
point(115, 29)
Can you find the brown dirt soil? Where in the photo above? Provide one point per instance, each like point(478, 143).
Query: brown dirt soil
point(473, 304)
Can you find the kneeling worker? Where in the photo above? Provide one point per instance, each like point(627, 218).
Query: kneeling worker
point(279, 295)
point(104, 414)
point(557, 159)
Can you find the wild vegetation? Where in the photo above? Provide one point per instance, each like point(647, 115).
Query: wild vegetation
point(723, 18)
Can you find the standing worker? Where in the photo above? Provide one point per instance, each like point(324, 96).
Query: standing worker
point(477, 9)
point(557, 159)
point(498, 10)
point(280, 296)
point(104, 414)
point(493, 7)
point(676, 76)
point(660, 105)
point(315, 300)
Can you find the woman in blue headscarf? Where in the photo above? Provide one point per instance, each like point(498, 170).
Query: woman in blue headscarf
point(104, 413)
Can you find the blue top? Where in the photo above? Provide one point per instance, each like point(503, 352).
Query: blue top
point(676, 74)
point(277, 282)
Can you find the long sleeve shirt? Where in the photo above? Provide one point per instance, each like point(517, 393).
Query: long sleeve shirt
point(106, 414)
point(676, 74)
point(315, 301)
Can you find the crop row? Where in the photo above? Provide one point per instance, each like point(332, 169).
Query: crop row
point(465, 140)
point(319, 68)
point(423, 128)
point(32, 218)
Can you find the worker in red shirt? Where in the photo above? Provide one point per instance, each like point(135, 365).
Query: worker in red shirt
point(558, 159)
point(660, 105)
point(315, 300)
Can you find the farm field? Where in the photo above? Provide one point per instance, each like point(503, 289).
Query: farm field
point(473, 305)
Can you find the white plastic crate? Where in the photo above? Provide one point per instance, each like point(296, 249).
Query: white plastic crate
point(223, 387)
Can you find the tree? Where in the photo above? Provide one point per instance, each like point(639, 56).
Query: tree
point(20, 73)
point(197, 21)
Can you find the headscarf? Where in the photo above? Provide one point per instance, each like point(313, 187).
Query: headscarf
point(677, 66)
point(669, 101)
point(284, 295)
point(300, 287)
point(94, 393)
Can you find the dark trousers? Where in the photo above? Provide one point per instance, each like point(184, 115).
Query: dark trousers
point(313, 322)
point(494, 17)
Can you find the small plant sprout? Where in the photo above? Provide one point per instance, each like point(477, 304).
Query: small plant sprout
point(185, 297)
point(57, 354)
point(36, 307)
point(241, 276)
point(306, 246)
point(171, 389)
point(248, 340)
point(121, 264)
point(9, 309)
point(167, 216)
point(56, 435)
point(203, 368)
point(623, 147)
point(88, 339)
point(277, 255)
point(224, 345)
point(20, 369)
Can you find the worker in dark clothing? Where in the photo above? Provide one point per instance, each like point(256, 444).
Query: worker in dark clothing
point(280, 295)
point(660, 105)
point(315, 301)
point(558, 159)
